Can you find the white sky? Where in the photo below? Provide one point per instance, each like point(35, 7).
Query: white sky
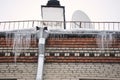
point(97, 10)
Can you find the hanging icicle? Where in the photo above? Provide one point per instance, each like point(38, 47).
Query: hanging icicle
point(104, 40)
point(21, 42)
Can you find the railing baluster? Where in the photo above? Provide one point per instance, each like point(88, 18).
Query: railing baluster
point(118, 26)
point(108, 26)
point(4, 26)
point(18, 25)
point(98, 26)
point(32, 23)
point(113, 26)
point(23, 24)
point(9, 26)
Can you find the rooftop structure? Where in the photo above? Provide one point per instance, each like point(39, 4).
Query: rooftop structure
point(53, 3)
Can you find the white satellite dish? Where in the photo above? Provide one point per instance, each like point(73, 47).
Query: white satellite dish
point(81, 20)
point(80, 16)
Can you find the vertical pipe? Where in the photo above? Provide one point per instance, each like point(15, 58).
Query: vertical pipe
point(64, 18)
point(41, 47)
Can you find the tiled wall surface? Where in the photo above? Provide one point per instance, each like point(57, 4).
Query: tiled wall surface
point(19, 71)
point(61, 71)
point(77, 71)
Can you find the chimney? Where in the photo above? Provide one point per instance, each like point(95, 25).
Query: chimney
point(53, 3)
point(53, 11)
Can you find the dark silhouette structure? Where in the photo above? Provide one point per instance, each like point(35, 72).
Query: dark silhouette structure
point(53, 3)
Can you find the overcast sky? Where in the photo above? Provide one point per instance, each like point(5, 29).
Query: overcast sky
point(97, 10)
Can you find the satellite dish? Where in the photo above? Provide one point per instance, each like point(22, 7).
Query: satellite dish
point(81, 20)
point(80, 16)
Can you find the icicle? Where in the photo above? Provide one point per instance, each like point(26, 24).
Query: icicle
point(22, 41)
point(8, 38)
point(104, 40)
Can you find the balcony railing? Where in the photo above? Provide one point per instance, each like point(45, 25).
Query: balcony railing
point(16, 25)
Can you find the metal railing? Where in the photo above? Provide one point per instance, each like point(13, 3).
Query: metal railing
point(16, 25)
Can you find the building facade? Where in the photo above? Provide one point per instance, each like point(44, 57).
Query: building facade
point(67, 57)
point(70, 54)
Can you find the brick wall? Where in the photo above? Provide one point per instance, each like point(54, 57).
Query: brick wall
point(76, 71)
point(8, 42)
point(73, 49)
point(61, 71)
point(19, 71)
point(79, 42)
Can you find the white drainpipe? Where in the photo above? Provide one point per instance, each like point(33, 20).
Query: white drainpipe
point(41, 47)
